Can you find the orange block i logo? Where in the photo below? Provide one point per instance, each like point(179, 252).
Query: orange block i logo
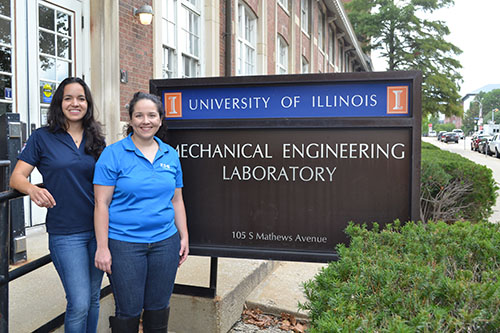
point(173, 105)
point(397, 100)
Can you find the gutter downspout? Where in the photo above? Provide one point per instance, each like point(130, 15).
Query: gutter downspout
point(228, 35)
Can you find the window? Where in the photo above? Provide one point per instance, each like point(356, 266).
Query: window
point(190, 25)
point(305, 65)
point(181, 38)
point(321, 30)
point(246, 41)
point(304, 15)
point(6, 56)
point(282, 56)
point(284, 4)
point(341, 58)
point(331, 45)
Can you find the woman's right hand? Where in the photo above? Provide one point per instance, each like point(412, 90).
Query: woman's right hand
point(41, 197)
point(103, 259)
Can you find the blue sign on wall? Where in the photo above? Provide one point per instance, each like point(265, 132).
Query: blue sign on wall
point(285, 101)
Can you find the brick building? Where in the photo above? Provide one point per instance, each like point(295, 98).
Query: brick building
point(44, 41)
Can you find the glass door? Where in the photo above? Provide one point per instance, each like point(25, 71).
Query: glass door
point(56, 38)
point(54, 53)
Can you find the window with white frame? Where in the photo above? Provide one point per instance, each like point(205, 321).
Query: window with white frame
point(321, 30)
point(246, 41)
point(282, 56)
point(305, 9)
point(181, 38)
point(6, 56)
point(341, 58)
point(305, 65)
point(331, 45)
point(284, 4)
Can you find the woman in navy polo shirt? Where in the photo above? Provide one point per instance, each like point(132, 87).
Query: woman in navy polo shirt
point(65, 153)
point(140, 220)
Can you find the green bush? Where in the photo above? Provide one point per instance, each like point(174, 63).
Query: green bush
point(454, 188)
point(434, 277)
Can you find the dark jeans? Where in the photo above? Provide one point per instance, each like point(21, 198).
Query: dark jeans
point(143, 274)
point(73, 256)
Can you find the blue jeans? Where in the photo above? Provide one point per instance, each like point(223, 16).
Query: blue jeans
point(73, 256)
point(143, 274)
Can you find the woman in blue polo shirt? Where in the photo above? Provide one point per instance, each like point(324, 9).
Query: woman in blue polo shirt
point(140, 220)
point(65, 153)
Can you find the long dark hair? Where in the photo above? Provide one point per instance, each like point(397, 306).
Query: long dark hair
point(153, 98)
point(94, 143)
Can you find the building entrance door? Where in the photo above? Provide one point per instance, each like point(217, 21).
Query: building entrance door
point(55, 51)
point(55, 34)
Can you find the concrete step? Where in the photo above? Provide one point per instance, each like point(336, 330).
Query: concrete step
point(281, 291)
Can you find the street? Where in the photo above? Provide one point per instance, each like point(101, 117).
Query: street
point(463, 148)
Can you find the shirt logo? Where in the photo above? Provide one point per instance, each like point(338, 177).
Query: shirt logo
point(173, 105)
point(165, 166)
point(397, 100)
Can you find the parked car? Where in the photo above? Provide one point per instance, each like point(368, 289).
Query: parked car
point(432, 133)
point(460, 133)
point(474, 143)
point(449, 136)
point(440, 135)
point(482, 145)
point(494, 146)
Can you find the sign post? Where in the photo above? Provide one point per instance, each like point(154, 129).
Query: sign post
point(275, 167)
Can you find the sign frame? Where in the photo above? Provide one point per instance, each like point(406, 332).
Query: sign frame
point(410, 122)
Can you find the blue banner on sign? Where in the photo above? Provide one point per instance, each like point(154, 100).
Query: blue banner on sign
point(297, 101)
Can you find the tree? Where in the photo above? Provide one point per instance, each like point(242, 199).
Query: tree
point(410, 42)
point(469, 120)
point(491, 101)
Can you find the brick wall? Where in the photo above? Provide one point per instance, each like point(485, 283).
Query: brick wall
point(136, 53)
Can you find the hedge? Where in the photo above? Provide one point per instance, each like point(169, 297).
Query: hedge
point(454, 188)
point(434, 277)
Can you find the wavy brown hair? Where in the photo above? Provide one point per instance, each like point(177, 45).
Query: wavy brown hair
point(95, 142)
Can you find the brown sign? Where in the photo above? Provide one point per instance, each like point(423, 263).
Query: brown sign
point(287, 188)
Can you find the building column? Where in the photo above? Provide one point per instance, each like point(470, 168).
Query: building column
point(105, 65)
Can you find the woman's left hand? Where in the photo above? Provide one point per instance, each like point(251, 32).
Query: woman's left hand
point(183, 253)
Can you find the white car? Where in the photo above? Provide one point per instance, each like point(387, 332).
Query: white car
point(432, 133)
point(494, 146)
point(459, 132)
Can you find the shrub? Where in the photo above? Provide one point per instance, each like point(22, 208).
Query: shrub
point(454, 188)
point(434, 277)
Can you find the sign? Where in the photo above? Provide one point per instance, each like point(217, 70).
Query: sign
point(270, 174)
point(8, 93)
point(46, 93)
point(312, 101)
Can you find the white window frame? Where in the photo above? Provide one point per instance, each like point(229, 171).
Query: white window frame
point(331, 45)
point(284, 4)
point(10, 101)
point(246, 49)
point(305, 14)
point(304, 65)
point(281, 55)
point(181, 50)
point(321, 30)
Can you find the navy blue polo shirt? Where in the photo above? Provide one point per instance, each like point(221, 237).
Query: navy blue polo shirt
point(141, 209)
point(67, 173)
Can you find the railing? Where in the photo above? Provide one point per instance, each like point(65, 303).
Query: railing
point(6, 277)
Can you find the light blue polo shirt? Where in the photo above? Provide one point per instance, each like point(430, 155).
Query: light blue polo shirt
point(141, 209)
